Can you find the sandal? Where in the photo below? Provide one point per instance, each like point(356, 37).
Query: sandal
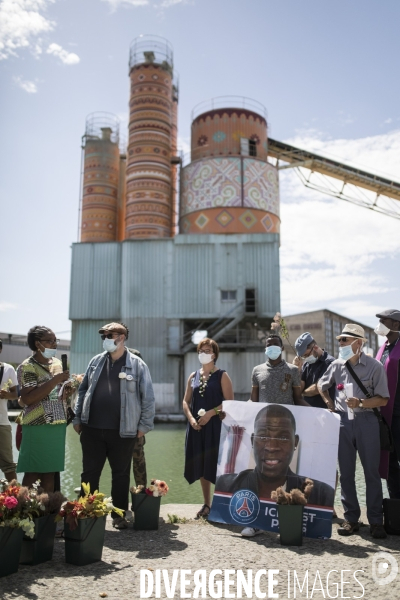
point(204, 511)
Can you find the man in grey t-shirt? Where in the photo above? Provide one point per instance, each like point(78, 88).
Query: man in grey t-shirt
point(276, 381)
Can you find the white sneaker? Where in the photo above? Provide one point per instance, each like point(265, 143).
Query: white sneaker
point(251, 531)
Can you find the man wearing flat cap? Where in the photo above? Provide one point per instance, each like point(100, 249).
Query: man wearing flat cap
point(389, 356)
point(312, 362)
point(115, 406)
point(360, 433)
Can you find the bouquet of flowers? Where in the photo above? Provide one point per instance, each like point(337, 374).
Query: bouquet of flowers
point(19, 505)
point(156, 488)
point(86, 507)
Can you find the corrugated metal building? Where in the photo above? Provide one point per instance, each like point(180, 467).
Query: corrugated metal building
point(164, 289)
point(324, 325)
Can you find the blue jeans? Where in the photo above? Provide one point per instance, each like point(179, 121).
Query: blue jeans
point(360, 435)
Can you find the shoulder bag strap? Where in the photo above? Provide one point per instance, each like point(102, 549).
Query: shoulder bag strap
point(361, 386)
point(1, 372)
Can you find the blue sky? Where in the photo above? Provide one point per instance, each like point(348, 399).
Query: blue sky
point(326, 71)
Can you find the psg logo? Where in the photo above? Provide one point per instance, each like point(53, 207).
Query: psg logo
point(244, 507)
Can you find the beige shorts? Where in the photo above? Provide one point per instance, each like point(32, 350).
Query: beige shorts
point(7, 463)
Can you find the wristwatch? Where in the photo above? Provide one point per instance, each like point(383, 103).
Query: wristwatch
point(360, 403)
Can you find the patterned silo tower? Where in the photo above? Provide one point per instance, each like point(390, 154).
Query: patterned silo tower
point(149, 185)
point(229, 185)
point(100, 178)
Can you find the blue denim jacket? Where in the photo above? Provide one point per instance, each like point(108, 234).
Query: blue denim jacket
point(137, 396)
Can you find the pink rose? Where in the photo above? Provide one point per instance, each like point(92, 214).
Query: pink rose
point(340, 387)
point(10, 502)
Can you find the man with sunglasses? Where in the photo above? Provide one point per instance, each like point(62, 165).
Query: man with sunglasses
point(115, 406)
point(274, 441)
point(360, 432)
point(312, 361)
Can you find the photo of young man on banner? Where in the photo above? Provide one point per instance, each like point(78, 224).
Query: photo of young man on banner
point(267, 446)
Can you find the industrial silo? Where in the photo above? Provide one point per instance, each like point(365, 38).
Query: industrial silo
point(229, 185)
point(149, 188)
point(100, 178)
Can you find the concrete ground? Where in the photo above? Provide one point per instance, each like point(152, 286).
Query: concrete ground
point(201, 545)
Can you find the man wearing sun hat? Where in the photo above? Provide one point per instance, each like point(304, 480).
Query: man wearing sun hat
point(115, 405)
point(360, 433)
point(389, 356)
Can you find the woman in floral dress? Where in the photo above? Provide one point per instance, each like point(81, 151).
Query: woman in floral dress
point(44, 417)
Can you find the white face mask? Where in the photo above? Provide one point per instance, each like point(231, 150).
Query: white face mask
point(310, 359)
point(205, 358)
point(381, 329)
point(110, 345)
point(49, 352)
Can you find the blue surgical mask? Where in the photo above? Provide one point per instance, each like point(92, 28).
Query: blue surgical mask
point(273, 352)
point(346, 352)
point(110, 345)
point(49, 352)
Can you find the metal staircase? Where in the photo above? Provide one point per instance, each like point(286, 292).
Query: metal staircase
point(216, 329)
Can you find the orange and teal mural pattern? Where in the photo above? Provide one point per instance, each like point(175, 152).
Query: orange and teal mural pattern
point(229, 195)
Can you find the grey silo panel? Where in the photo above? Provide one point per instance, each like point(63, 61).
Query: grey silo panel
point(194, 280)
point(85, 343)
point(146, 332)
point(95, 281)
point(261, 271)
point(144, 282)
point(228, 258)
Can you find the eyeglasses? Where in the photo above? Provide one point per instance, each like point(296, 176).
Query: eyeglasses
point(109, 336)
point(54, 341)
point(310, 352)
point(262, 439)
point(347, 339)
point(205, 351)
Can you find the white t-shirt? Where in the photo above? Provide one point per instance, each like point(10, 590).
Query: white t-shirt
point(9, 373)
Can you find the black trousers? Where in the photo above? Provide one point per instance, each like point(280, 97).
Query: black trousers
point(97, 446)
point(393, 480)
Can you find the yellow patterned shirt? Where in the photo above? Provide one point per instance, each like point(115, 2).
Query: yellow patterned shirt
point(51, 409)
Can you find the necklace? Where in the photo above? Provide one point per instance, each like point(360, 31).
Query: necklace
point(204, 381)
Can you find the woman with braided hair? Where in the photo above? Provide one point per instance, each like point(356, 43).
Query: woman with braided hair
point(44, 418)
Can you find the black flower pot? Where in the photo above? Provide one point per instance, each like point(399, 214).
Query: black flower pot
point(291, 524)
point(84, 545)
point(10, 549)
point(40, 548)
point(147, 511)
